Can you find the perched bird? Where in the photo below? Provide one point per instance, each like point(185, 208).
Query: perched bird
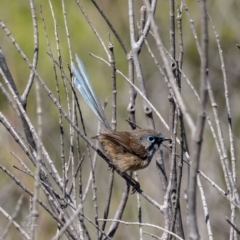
point(128, 150)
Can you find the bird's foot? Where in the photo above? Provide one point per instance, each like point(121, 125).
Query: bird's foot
point(136, 187)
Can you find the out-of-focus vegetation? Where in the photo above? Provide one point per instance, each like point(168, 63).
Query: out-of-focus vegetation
point(16, 15)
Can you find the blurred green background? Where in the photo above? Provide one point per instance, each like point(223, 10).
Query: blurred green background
point(16, 15)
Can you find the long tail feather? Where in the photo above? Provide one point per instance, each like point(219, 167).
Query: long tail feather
point(84, 86)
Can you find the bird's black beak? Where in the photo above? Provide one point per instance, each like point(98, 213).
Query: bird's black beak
point(161, 138)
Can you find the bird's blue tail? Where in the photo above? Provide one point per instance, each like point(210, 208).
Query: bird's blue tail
point(84, 86)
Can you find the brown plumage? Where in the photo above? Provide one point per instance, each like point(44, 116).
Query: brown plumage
point(131, 150)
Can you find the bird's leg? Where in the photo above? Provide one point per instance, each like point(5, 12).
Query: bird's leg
point(136, 183)
point(128, 178)
point(111, 166)
point(136, 187)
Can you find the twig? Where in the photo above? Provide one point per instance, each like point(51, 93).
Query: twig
point(205, 209)
point(132, 94)
point(221, 191)
point(153, 236)
point(110, 26)
point(76, 213)
point(14, 215)
point(235, 228)
point(35, 214)
point(118, 215)
point(142, 224)
point(135, 47)
point(35, 54)
point(16, 225)
point(198, 133)
point(139, 210)
point(11, 84)
point(93, 28)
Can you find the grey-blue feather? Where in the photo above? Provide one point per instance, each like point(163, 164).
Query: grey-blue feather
point(84, 86)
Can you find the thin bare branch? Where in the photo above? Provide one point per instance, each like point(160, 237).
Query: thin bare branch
point(198, 133)
point(142, 224)
point(35, 53)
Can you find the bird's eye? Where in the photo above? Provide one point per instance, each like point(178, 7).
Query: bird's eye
point(151, 138)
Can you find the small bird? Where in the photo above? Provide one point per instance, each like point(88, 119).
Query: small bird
point(128, 150)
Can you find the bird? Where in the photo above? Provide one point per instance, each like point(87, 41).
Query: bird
point(129, 150)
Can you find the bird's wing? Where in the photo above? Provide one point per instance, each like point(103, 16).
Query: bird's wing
point(128, 142)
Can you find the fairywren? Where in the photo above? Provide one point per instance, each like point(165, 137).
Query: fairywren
point(130, 150)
